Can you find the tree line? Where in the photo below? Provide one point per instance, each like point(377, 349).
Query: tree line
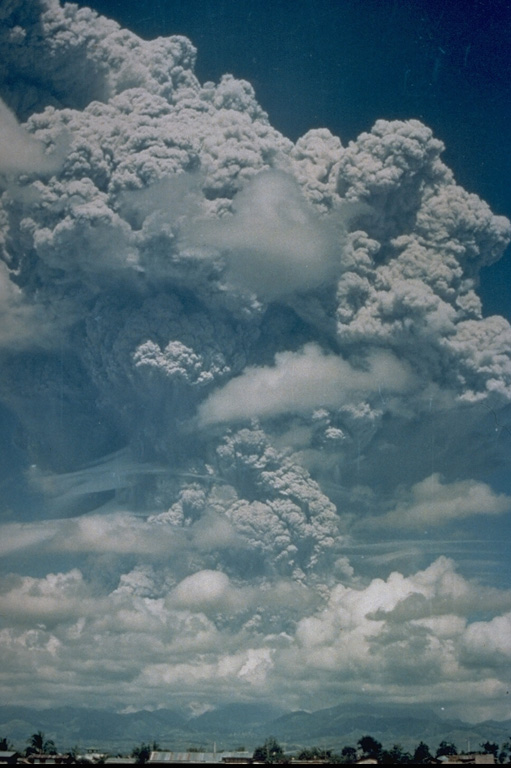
point(368, 747)
point(272, 752)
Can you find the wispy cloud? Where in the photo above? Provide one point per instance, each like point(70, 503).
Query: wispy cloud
point(432, 502)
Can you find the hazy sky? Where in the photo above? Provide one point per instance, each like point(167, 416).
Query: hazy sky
point(255, 416)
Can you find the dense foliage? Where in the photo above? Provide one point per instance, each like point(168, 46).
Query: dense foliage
point(269, 752)
point(142, 752)
point(38, 744)
point(369, 748)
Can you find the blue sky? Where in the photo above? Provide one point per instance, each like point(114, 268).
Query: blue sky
point(255, 418)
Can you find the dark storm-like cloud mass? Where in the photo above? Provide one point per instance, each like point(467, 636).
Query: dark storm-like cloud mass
point(229, 358)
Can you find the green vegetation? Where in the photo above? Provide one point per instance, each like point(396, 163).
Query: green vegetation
point(272, 752)
point(316, 753)
point(446, 748)
point(5, 745)
point(369, 748)
point(142, 752)
point(490, 748)
point(348, 755)
point(422, 755)
point(395, 756)
point(38, 744)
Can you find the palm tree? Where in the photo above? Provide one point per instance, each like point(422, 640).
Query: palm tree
point(39, 744)
point(142, 753)
point(5, 745)
point(270, 752)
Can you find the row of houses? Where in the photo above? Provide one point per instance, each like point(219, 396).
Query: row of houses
point(94, 757)
point(207, 758)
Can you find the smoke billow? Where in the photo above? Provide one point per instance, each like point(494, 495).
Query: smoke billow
point(227, 361)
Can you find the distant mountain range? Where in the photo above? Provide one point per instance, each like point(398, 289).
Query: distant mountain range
point(235, 725)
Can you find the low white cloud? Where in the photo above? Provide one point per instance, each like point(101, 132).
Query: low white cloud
point(407, 635)
point(56, 597)
point(488, 643)
point(433, 502)
point(19, 151)
point(302, 381)
point(21, 536)
point(22, 324)
point(276, 244)
point(113, 533)
point(203, 589)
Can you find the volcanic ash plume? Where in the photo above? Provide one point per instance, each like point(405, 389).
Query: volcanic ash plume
point(225, 360)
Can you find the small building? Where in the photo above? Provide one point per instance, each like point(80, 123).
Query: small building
point(91, 755)
point(197, 758)
point(471, 758)
point(8, 757)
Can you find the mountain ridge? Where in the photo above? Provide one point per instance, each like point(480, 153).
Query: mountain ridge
point(235, 724)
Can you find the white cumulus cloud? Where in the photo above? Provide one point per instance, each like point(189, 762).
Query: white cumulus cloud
point(303, 381)
point(432, 502)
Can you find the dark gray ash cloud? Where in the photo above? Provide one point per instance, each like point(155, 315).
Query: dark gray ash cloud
point(228, 359)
